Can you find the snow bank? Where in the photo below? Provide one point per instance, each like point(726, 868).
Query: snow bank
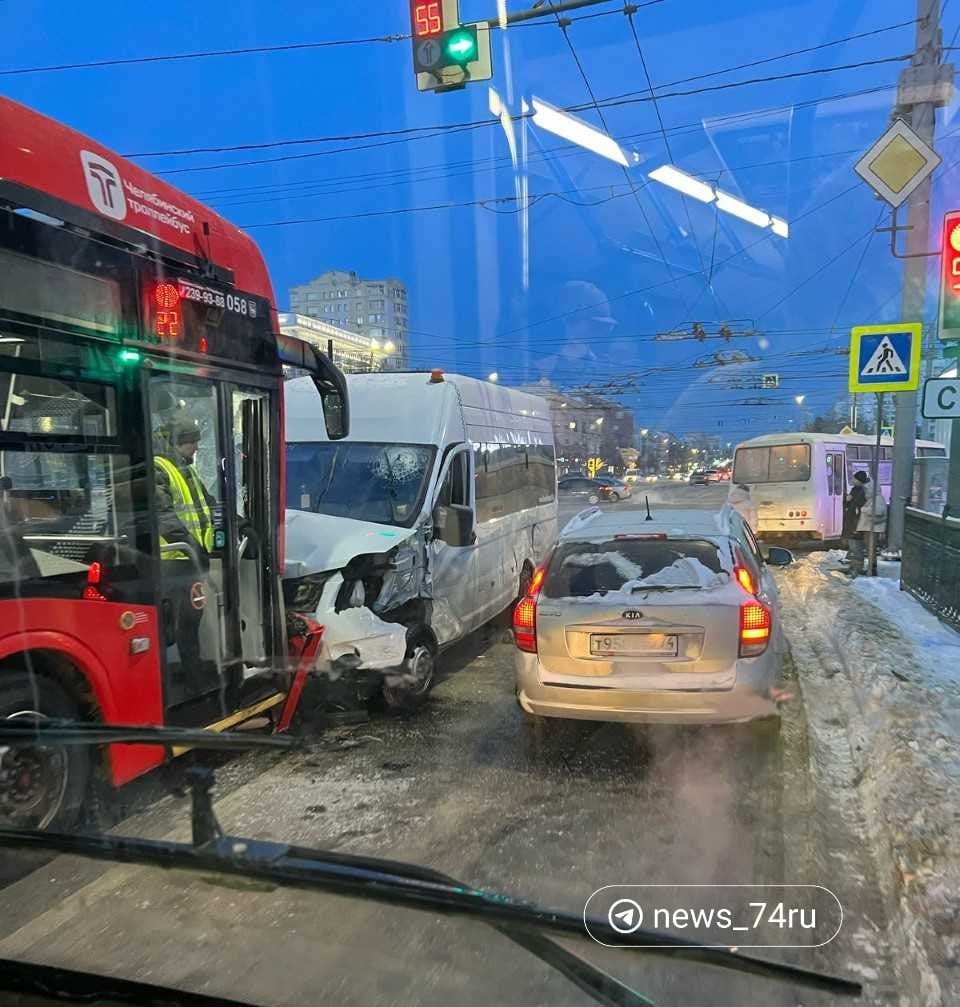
point(881, 684)
point(937, 646)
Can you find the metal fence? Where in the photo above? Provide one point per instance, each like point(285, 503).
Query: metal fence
point(930, 569)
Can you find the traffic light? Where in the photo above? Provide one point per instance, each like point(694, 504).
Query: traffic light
point(446, 54)
point(950, 277)
point(460, 45)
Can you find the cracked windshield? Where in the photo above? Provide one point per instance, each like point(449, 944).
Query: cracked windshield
point(477, 485)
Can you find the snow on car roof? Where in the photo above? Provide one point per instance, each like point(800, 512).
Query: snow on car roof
point(676, 522)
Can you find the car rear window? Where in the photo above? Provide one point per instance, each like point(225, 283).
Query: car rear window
point(581, 569)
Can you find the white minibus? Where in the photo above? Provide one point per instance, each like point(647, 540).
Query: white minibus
point(798, 481)
point(424, 523)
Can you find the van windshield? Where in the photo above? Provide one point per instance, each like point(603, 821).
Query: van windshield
point(367, 482)
point(780, 463)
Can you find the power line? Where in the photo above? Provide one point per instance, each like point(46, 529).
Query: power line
point(640, 290)
point(666, 141)
point(267, 49)
point(487, 203)
point(733, 117)
point(603, 122)
point(616, 101)
point(784, 55)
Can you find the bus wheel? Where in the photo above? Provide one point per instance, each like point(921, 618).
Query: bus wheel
point(405, 691)
point(40, 787)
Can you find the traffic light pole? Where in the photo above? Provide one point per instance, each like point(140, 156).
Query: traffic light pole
point(919, 81)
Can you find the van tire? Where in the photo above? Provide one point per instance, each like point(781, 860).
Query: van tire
point(614, 496)
point(65, 773)
point(408, 691)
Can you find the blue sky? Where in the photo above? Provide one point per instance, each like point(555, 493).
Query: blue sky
point(789, 151)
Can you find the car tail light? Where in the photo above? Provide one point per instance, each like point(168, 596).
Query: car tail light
point(525, 614)
point(745, 579)
point(756, 624)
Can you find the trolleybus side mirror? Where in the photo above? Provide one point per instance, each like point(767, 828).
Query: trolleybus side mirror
point(328, 379)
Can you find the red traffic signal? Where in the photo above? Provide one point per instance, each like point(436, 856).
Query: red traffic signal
point(950, 277)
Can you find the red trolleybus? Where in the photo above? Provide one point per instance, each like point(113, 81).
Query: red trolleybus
point(138, 585)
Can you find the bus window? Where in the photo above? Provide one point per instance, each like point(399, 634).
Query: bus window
point(782, 463)
point(751, 465)
point(838, 474)
point(60, 504)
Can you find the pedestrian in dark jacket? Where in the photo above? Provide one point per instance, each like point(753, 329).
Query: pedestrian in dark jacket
point(853, 504)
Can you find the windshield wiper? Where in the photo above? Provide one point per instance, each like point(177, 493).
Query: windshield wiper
point(20, 734)
point(390, 881)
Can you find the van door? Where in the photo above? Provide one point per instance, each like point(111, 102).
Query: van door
point(836, 488)
point(458, 594)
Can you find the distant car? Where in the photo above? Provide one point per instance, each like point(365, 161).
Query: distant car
point(713, 475)
point(582, 488)
point(674, 620)
point(698, 478)
point(631, 476)
point(619, 488)
point(725, 475)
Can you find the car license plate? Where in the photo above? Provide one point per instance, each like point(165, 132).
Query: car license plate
point(633, 645)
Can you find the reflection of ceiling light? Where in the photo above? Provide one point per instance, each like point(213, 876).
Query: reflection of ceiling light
point(673, 177)
point(736, 207)
point(682, 182)
point(555, 121)
point(10, 339)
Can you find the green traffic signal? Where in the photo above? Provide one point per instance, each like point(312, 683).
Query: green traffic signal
point(460, 45)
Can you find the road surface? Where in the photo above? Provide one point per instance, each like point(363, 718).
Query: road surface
point(461, 788)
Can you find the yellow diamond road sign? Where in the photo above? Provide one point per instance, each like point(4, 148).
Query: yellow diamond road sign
point(897, 163)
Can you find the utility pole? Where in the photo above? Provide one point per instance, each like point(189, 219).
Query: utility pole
point(920, 92)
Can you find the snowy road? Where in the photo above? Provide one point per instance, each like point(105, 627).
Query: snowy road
point(458, 788)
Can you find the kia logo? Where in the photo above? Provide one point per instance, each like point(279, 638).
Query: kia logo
point(633, 614)
point(104, 186)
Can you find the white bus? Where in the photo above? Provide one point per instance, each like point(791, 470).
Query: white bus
point(424, 523)
point(798, 481)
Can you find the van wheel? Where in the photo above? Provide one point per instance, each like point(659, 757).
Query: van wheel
point(403, 692)
point(593, 498)
point(614, 496)
point(40, 787)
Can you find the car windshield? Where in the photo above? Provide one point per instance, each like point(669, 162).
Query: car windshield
point(366, 482)
point(355, 358)
point(583, 569)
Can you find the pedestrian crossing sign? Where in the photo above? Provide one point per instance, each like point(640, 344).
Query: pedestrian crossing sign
point(885, 358)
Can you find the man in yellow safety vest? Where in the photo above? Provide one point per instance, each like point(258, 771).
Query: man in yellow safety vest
point(184, 514)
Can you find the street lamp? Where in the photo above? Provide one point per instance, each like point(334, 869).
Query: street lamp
point(599, 421)
point(644, 432)
point(389, 346)
point(493, 376)
point(374, 345)
point(799, 399)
